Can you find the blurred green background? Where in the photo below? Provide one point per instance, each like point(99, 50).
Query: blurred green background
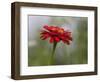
point(39, 51)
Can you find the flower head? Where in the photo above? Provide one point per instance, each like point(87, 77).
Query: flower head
point(56, 34)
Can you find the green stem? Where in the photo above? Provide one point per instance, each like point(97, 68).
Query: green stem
point(53, 52)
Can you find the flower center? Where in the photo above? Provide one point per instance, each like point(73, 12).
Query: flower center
point(61, 30)
point(57, 30)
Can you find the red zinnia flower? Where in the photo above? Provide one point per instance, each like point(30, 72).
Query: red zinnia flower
point(56, 34)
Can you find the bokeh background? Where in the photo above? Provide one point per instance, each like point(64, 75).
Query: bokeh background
point(39, 51)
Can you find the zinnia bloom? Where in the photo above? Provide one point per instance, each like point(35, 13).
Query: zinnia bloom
point(56, 34)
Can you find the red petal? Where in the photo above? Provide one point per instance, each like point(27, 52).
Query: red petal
point(51, 40)
point(66, 41)
point(70, 38)
point(56, 39)
point(47, 27)
point(43, 32)
point(45, 36)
